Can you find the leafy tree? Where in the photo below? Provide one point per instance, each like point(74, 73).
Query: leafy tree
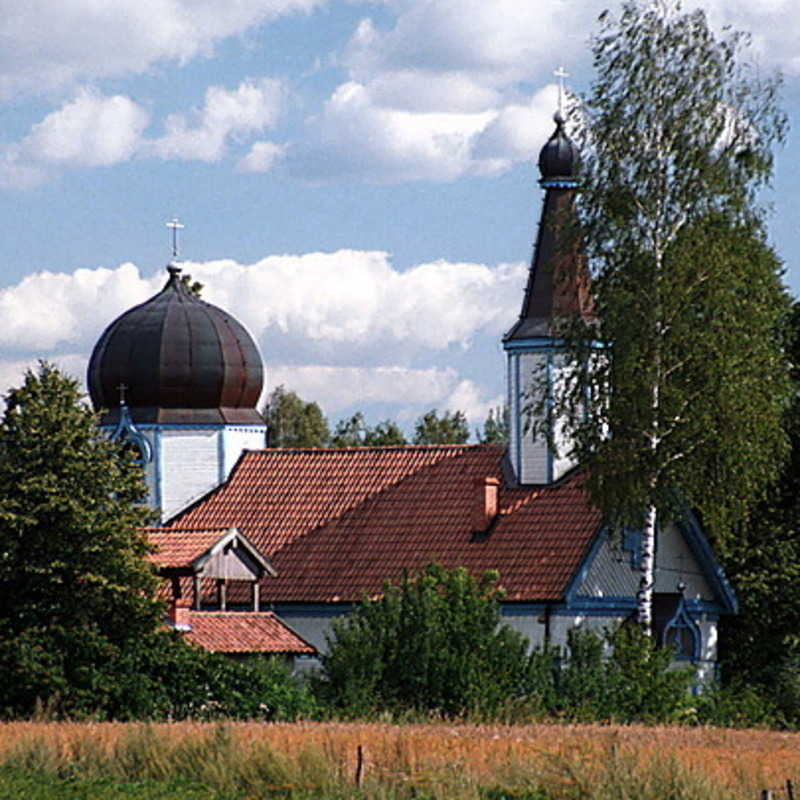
point(355, 432)
point(74, 585)
point(762, 645)
point(431, 642)
point(293, 423)
point(689, 385)
point(450, 428)
point(495, 429)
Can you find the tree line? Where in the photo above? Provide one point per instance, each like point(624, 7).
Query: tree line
point(294, 423)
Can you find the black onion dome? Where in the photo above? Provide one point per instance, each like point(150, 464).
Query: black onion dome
point(180, 360)
point(559, 157)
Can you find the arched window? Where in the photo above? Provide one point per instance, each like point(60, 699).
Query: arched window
point(682, 634)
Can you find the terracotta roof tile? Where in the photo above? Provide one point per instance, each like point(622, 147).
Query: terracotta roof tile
point(241, 632)
point(336, 524)
point(179, 547)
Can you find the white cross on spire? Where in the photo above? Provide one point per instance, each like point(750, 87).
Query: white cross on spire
point(176, 226)
point(561, 74)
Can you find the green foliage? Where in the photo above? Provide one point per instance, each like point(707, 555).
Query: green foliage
point(293, 423)
point(761, 646)
point(355, 432)
point(495, 429)
point(430, 643)
point(74, 586)
point(622, 677)
point(689, 384)
point(450, 428)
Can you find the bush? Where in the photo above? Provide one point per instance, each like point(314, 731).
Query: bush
point(431, 643)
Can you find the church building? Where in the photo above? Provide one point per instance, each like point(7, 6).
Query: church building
point(268, 546)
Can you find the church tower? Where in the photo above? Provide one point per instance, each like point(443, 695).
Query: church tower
point(178, 380)
point(557, 289)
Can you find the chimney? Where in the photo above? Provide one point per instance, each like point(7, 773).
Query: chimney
point(179, 608)
point(485, 504)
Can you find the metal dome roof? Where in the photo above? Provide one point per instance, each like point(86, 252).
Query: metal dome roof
point(177, 359)
point(559, 157)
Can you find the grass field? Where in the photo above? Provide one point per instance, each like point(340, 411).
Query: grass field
point(316, 760)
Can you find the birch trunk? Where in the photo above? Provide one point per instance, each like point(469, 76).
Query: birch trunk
point(644, 597)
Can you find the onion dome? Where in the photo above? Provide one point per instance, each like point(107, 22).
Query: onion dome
point(176, 359)
point(559, 158)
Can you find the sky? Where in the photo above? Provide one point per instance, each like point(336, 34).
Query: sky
point(357, 180)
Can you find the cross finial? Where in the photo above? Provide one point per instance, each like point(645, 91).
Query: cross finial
point(122, 389)
point(176, 226)
point(561, 74)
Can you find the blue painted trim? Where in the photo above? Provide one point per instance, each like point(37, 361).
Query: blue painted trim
point(538, 343)
point(689, 526)
point(550, 404)
point(558, 183)
point(612, 605)
point(520, 426)
point(583, 570)
point(221, 476)
point(157, 482)
point(632, 543)
point(682, 619)
point(126, 429)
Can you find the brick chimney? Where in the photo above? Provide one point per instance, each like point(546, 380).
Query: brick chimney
point(178, 613)
point(485, 503)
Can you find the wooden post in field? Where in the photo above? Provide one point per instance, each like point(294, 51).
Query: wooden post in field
point(359, 765)
point(766, 794)
point(789, 790)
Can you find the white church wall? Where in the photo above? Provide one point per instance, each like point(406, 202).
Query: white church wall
point(235, 440)
point(189, 466)
point(534, 454)
point(675, 562)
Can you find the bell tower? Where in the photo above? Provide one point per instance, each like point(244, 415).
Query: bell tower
point(557, 289)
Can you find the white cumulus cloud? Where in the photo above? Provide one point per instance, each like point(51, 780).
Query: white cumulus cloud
point(250, 108)
point(347, 329)
point(92, 130)
point(49, 44)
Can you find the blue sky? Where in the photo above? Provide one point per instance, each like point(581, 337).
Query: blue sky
point(357, 179)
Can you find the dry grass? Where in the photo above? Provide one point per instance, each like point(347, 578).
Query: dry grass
point(565, 761)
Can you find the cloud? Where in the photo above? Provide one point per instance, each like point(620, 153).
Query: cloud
point(97, 130)
point(356, 137)
point(344, 328)
point(51, 44)
point(262, 157)
point(501, 42)
point(250, 108)
point(91, 130)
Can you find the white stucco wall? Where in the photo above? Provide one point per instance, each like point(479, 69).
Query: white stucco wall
point(189, 462)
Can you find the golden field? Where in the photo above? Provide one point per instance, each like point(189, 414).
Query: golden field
point(449, 760)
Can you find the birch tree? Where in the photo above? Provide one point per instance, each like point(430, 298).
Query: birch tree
point(686, 378)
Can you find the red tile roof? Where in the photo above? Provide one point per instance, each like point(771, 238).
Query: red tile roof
point(336, 524)
point(179, 547)
point(241, 632)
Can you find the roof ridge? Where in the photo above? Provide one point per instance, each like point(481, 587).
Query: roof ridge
point(375, 448)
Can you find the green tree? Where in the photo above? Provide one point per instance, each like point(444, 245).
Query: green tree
point(431, 642)
point(354, 432)
point(495, 429)
point(450, 428)
point(689, 384)
point(293, 423)
point(761, 646)
point(75, 587)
